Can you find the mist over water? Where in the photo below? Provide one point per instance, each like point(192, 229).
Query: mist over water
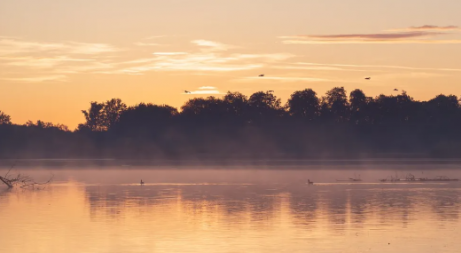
point(263, 174)
point(239, 210)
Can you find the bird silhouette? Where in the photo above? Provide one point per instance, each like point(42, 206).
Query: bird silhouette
point(367, 78)
point(187, 92)
point(396, 90)
point(262, 75)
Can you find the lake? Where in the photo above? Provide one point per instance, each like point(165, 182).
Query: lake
point(250, 210)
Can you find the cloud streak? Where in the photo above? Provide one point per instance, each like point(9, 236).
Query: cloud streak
point(315, 68)
point(422, 34)
point(376, 36)
point(429, 28)
point(212, 46)
point(44, 61)
point(16, 46)
point(282, 79)
point(204, 90)
point(142, 44)
point(214, 58)
point(169, 53)
point(377, 66)
point(37, 79)
point(53, 61)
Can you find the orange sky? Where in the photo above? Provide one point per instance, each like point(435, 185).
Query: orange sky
point(57, 56)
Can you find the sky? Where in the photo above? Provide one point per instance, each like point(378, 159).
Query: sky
point(57, 56)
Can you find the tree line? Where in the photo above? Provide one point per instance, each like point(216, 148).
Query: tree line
point(336, 125)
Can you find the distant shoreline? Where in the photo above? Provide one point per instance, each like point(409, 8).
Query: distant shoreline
point(292, 163)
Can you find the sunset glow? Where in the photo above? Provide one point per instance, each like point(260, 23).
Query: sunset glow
point(60, 56)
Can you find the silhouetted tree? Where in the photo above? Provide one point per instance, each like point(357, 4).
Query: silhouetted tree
point(94, 117)
point(43, 125)
point(236, 103)
point(335, 105)
point(146, 116)
point(264, 105)
point(39, 124)
point(4, 118)
point(111, 112)
point(304, 104)
point(359, 107)
point(256, 127)
point(209, 109)
point(442, 109)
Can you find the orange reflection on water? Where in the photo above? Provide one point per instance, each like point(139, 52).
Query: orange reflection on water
point(231, 218)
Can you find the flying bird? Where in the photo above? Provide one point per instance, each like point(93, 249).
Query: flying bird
point(396, 90)
point(262, 75)
point(187, 92)
point(367, 78)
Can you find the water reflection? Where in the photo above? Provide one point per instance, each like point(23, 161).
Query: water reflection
point(339, 207)
point(232, 218)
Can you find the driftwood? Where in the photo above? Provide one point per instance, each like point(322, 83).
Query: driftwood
point(19, 180)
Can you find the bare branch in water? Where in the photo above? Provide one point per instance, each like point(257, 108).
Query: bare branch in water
point(22, 181)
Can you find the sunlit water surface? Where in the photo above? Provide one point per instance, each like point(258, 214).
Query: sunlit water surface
point(229, 211)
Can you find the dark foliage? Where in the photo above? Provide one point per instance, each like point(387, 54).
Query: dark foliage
point(255, 127)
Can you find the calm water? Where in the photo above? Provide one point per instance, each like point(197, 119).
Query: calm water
point(230, 211)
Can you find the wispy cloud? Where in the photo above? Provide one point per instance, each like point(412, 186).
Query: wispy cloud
point(169, 53)
point(204, 90)
point(212, 46)
point(412, 35)
point(143, 44)
point(16, 46)
point(429, 28)
point(315, 68)
point(216, 59)
point(411, 74)
point(147, 42)
point(45, 61)
point(40, 62)
point(376, 66)
point(54, 61)
point(54, 65)
point(282, 79)
point(89, 48)
point(207, 88)
point(155, 37)
point(189, 64)
point(376, 36)
point(37, 79)
point(374, 42)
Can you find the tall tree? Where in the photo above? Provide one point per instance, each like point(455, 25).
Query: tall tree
point(442, 110)
point(209, 108)
point(335, 105)
point(359, 107)
point(112, 110)
point(304, 104)
point(236, 103)
point(94, 117)
point(146, 116)
point(264, 105)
